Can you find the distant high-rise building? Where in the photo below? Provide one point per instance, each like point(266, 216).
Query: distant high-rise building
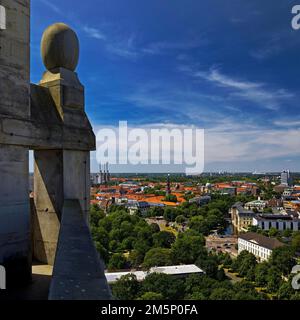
point(286, 178)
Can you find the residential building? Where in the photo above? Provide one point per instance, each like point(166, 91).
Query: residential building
point(201, 201)
point(292, 205)
point(137, 206)
point(240, 217)
point(258, 205)
point(258, 245)
point(288, 192)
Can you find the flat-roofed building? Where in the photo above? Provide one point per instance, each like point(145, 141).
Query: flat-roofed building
point(176, 271)
point(201, 200)
point(280, 222)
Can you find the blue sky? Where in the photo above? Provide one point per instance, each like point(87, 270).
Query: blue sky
point(231, 67)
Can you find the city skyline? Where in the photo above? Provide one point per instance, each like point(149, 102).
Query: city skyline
point(179, 67)
point(190, 125)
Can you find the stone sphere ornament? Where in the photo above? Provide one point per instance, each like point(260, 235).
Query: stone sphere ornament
point(60, 47)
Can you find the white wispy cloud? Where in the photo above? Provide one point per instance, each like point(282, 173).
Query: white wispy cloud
point(287, 123)
point(260, 93)
point(124, 47)
point(239, 144)
point(275, 43)
point(214, 75)
point(52, 6)
point(94, 33)
point(271, 47)
point(163, 47)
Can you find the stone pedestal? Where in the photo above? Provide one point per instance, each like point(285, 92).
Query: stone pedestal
point(63, 173)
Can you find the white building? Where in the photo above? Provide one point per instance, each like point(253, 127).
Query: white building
point(259, 205)
point(134, 206)
point(280, 222)
point(260, 246)
point(286, 178)
point(178, 271)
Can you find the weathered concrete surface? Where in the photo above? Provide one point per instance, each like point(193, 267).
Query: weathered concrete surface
point(78, 272)
point(48, 202)
point(14, 102)
point(14, 213)
point(77, 178)
point(45, 129)
point(14, 59)
point(58, 175)
point(66, 91)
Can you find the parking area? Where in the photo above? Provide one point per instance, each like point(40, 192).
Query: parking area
point(225, 244)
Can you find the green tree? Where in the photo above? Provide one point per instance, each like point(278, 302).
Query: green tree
point(187, 248)
point(296, 296)
point(117, 262)
point(247, 266)
point(210, 265)
point(199, 224)
point(171, 198)
point(154, 227)
point(261, 272)
point(96, 214)
point(226, 261)
point(245, 290)
point(253, 228)
point(199, 284)
point(155, 212)
point(163, 239)
point(273, 232)
point(103, 252)
point(221, 294)
point(196, 296)
point(180, 219)
point(285, 291)
point(126, 288)
point(287, 233)
point(283, 259)
point(296, 241)
point(274, 279)
point(151, 296)
point(157, 257)
point(99, 234)
point(170, 214)
point(171, 288)
point(136, 258)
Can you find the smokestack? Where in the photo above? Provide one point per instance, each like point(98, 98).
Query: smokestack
point(101, 174)
point(108, 173)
